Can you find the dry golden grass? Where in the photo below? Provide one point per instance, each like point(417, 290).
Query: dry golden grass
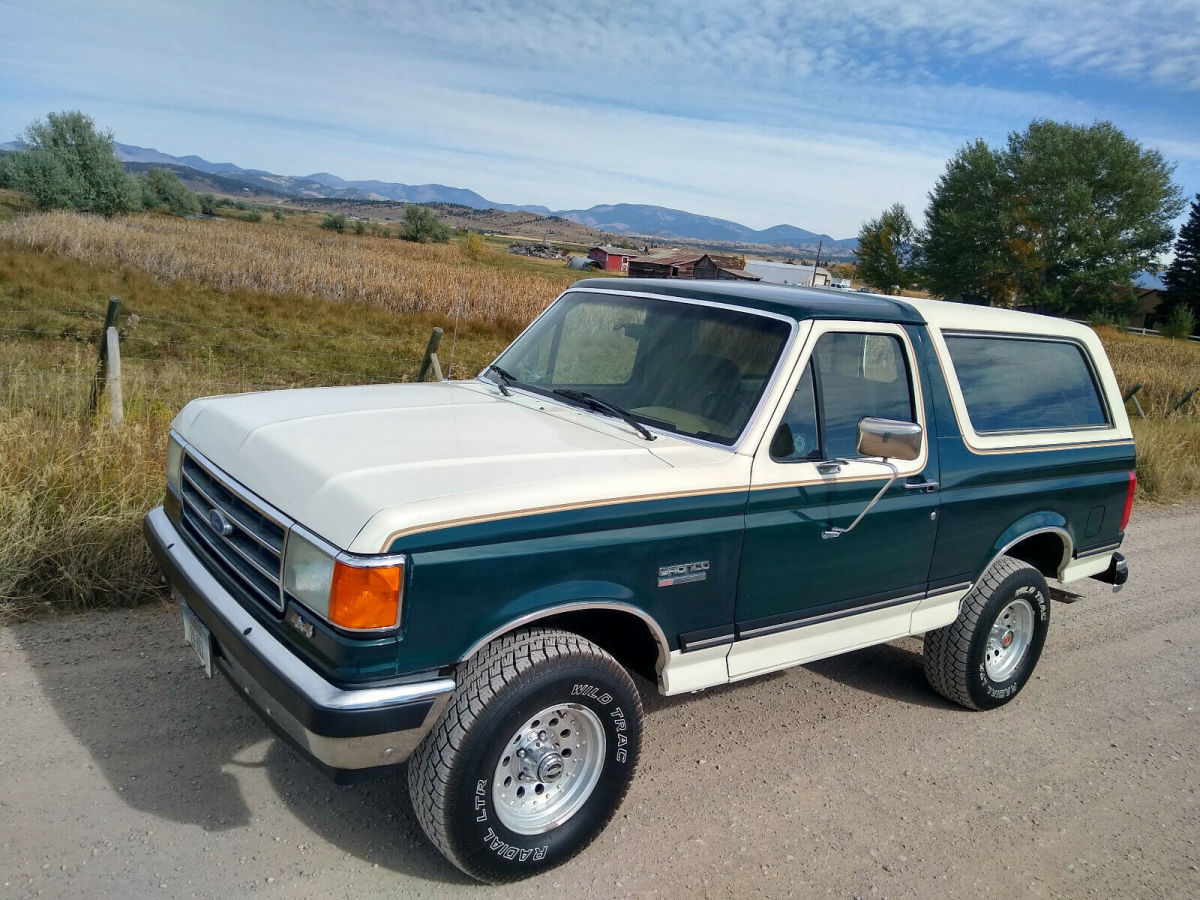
point(72, 494)
point(1168, 459)
point(1166, 369)
point(278, 258)
point(73, 490)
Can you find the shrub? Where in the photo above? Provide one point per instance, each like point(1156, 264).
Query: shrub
point(359, 226)
point(208, 204)
point(277, 216)
point(475, 247)
point(422, 226)
point(1180, 324)
point(334, 222)
point(165, 192)
point(252, 216)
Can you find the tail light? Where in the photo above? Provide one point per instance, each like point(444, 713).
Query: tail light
point(1129, 500)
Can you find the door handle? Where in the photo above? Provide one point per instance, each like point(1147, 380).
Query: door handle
point(924, 487)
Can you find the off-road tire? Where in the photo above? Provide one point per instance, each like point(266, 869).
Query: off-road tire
point(955, 656)
point(452, 773)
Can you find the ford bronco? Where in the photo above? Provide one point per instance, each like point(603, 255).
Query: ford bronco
point(699, 482)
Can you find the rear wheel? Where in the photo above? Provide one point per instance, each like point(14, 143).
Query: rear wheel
point(530, 758)
point(984, 658)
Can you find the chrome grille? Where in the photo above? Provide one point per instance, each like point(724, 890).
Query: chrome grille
point(237, 534)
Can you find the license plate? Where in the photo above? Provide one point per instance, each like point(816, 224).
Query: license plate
point(197, 636)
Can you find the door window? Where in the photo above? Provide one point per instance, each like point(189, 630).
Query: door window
point(850, 375)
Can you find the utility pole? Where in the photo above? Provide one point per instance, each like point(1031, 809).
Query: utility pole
point(820, 245)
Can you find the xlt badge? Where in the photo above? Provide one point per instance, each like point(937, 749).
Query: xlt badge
point(682, 573)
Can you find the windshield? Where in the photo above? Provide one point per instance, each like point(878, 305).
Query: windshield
point(688, 368)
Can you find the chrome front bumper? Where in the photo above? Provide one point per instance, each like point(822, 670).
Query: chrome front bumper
point(346, 732)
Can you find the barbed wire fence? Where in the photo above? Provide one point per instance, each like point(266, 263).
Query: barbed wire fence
point(71, 388)
point(146, 368)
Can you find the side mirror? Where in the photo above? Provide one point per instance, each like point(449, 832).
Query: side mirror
point(889, 438)
point(886, 438)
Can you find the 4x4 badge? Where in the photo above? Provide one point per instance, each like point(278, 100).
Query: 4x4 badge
point(682, 573)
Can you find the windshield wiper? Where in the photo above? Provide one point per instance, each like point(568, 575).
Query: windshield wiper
point(594, 402)
point(504, 379)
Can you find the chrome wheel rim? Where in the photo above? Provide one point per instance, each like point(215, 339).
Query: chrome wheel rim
point(548, 768)
point(1009, 640)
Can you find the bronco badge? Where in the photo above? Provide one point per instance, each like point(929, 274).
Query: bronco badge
point(683, 573)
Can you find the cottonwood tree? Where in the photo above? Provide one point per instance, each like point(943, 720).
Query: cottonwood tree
point(1060, 218)
point(887, 251)
point(69, 163)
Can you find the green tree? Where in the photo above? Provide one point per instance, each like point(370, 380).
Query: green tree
point(69, 163)
point(965, 250)
point(887, 251)
point(421, 225)
point(39, 174)
point(1061, 218)
point(1182, 277)
point(165, 192)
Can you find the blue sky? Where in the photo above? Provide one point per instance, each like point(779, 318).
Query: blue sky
point(819, 114)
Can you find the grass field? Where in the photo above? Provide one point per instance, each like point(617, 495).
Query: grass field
point(219, 307)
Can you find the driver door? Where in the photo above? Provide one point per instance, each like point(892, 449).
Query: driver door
point(801, 595)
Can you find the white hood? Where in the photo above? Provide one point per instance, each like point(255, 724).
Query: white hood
point(359, 464)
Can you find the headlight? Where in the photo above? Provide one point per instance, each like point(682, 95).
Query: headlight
point(308, 574)
point(356, 593)
point(175, 465)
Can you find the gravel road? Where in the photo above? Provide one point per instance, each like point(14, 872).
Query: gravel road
point(125, 774)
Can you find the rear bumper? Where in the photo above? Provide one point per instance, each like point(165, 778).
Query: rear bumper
point(1117, 572)
point(345, 732)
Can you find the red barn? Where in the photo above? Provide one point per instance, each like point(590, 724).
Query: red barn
point(612, 259)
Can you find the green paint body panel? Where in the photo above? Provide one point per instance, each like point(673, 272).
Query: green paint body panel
point(471, 580)
point(790, 572)
point(768, 561)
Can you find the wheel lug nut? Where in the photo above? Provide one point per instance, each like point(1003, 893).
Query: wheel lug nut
point(541, 735)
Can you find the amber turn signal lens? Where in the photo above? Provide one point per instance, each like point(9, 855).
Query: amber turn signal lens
point(365, 598)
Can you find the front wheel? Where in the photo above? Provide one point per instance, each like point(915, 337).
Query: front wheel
point(984, 657)
point(531, 757)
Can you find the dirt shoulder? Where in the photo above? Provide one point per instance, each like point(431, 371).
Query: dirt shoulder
point(126, 774)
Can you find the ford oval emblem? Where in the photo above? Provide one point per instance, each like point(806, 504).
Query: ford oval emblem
point(219, 523)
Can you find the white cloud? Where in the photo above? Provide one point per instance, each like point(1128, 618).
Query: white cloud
point(764, 111)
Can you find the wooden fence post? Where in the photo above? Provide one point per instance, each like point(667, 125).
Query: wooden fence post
point(110, 321)
point(1131, 394)
point(431, 360)
point(115, 401)
point(1182, 400)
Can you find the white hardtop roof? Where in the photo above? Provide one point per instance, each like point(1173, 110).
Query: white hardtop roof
point(947, 315)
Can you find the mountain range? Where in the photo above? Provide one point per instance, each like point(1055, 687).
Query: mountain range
point(618, 218)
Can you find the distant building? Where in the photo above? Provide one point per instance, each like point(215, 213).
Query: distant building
point(1150, 291)
point(612, 259)
point(672, 264)
point(721, 268)
point(789, 273)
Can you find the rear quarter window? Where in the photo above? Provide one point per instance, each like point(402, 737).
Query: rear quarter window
point(1013, 384)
